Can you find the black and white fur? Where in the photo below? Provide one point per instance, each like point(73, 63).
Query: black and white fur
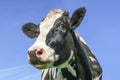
point(56, 51)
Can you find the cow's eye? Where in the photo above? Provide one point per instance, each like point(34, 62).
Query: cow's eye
point(62, 28)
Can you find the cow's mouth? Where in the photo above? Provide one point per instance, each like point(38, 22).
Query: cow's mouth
point(39, 64)
point(43, 61)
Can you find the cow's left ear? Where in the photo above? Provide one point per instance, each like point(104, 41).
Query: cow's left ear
point(77, 17)
point(31, 30)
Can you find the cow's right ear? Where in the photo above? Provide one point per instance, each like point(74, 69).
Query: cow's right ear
point(31, 30)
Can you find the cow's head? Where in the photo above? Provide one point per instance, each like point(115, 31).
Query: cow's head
point(54, 46)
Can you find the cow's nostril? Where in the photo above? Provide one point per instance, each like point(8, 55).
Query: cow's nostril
point(39, 52)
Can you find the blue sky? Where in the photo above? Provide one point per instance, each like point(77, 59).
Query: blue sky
point(100, 28)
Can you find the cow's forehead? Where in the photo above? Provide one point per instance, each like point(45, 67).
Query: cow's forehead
point(48, 22)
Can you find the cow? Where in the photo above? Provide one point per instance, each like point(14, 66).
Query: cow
point(59, 51)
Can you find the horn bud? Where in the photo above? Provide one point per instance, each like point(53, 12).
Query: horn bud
point(66, 13)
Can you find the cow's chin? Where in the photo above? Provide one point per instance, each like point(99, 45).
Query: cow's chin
point(43, 66)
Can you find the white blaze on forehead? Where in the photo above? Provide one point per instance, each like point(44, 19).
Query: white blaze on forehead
point(45, 27)
point(48, 22)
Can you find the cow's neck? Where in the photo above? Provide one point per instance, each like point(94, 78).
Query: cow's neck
point(69, 69)
point(69, 72)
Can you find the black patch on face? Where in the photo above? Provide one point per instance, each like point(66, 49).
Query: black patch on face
point(56, 38)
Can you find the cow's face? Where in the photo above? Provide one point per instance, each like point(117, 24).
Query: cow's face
point(54, 46)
